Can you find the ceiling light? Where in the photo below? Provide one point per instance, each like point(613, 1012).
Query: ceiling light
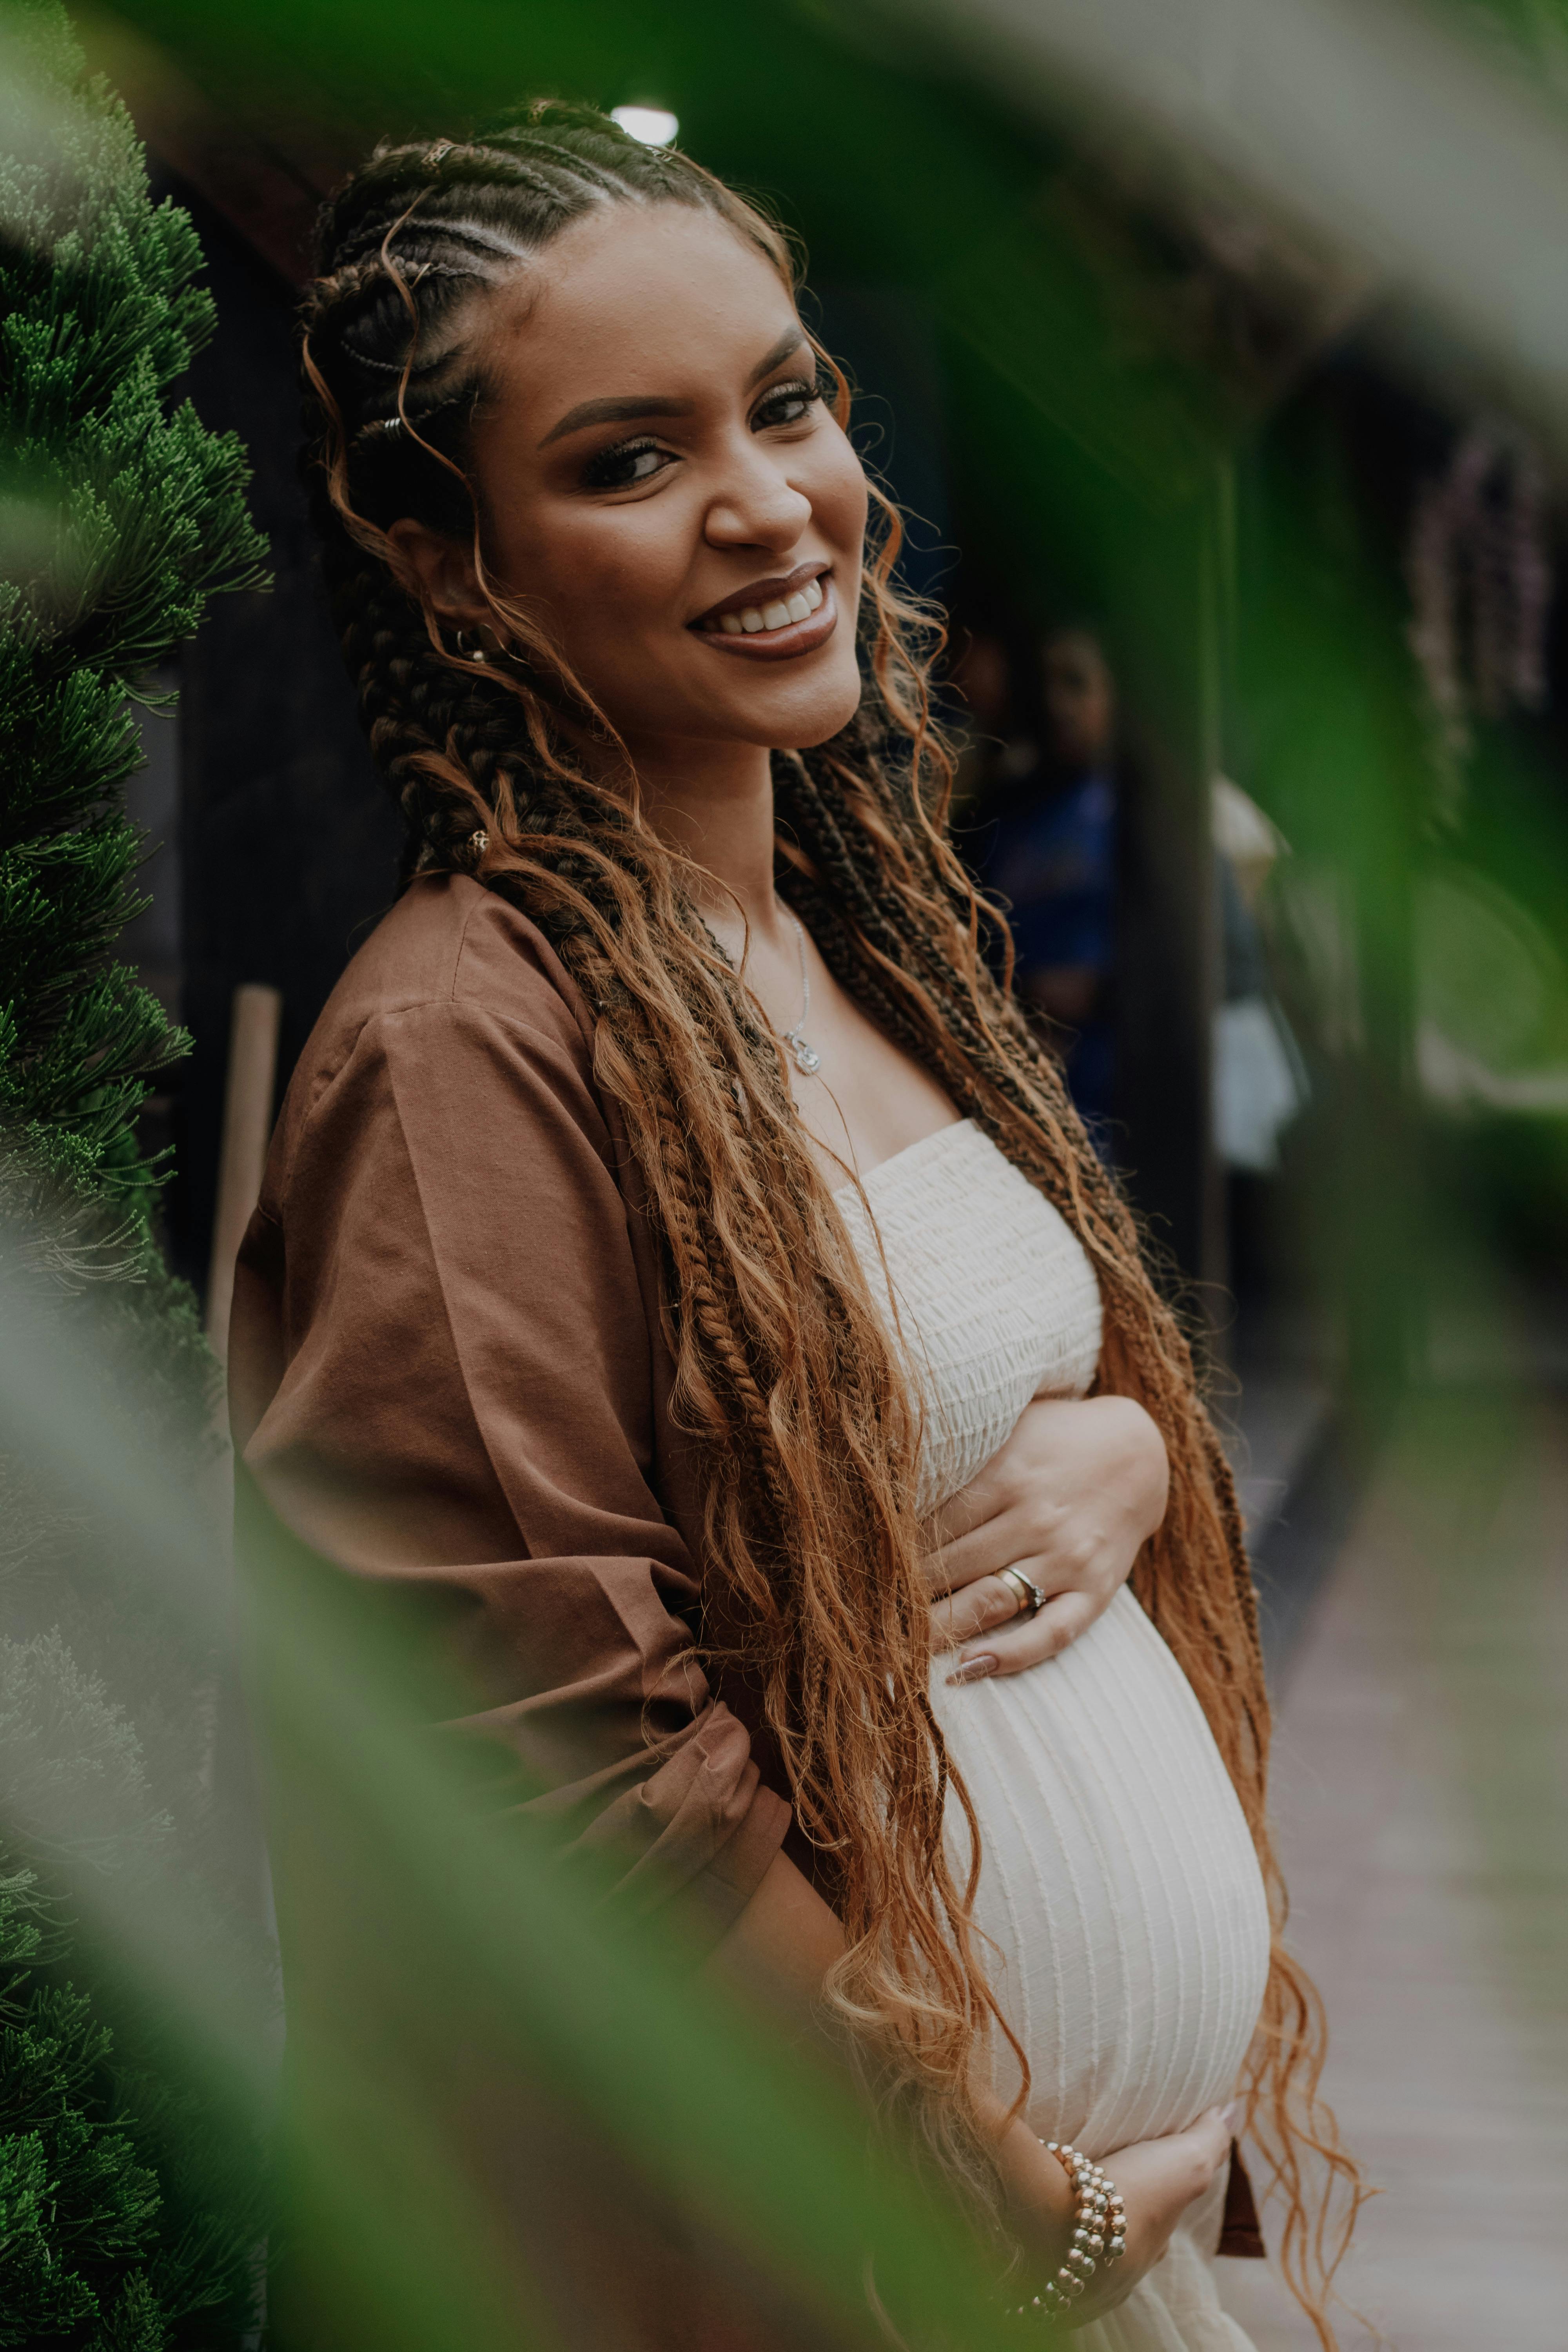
point(651, 124)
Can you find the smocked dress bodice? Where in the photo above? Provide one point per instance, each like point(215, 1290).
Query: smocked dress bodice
point(1119, 1884)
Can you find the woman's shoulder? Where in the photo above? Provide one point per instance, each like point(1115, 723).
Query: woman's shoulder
point(447, 942)
point(455, 995)
point(445, 1100)
point(449, 954)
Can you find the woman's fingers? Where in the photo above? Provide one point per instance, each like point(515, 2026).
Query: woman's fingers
point(975, 1609)
point(973, 1504)
point(1024, 1642)
point(1063, 1504)
point(1213, 2133)
point(981, 1551)
point(1160, 2178)
point(1205, 2146)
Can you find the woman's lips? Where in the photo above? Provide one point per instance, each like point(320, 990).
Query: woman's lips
point(770, 613)
point(758, 632)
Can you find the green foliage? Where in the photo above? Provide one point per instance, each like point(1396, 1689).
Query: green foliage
point(122, 2214)
point(76, 2203)
point(129, 2209)
point(120, 516)
point(68, 1565)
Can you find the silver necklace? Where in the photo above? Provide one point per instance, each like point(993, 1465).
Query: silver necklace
point(806, 1057)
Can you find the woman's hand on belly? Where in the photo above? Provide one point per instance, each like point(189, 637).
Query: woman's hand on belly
point(1067, 1503)
point(1158, 2179)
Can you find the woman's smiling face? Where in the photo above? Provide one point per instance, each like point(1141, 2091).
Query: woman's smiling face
point(663, 491)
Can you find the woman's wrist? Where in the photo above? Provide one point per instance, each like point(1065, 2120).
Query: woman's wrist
point(1146, 1468)
point(1041, 2206)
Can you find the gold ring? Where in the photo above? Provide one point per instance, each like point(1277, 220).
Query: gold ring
point(1031, 1600)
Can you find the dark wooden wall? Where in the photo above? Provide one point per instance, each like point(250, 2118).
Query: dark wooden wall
point(1169, 944)
point(287, 843)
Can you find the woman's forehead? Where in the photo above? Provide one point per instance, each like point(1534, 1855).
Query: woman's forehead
point(665, 300)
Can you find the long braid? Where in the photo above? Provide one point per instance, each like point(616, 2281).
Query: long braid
point(784, 1373)
point(1192, 1575)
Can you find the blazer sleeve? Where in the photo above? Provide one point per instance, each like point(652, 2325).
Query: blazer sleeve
point(442, 1377)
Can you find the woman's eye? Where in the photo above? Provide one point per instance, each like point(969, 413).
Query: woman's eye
point(629, 463)
point(786, 404)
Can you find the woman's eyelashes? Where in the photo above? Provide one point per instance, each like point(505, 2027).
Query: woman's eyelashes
point(796, 398)
point(627, 464)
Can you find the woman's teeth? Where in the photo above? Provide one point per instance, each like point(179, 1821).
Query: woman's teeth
point(754, 617)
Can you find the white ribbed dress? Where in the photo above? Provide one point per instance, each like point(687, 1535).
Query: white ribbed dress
point(1119, 1884)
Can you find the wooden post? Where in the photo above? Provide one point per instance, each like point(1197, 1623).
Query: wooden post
point(1168, 951)
point(247, 1131)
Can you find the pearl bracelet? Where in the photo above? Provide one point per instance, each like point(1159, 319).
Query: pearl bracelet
point(1098, 2238)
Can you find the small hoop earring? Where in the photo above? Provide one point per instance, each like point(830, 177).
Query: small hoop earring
point(475, 653)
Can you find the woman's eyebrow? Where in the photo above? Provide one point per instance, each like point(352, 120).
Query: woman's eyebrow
point(616, 411)
point(629, 406)
point(791, 340)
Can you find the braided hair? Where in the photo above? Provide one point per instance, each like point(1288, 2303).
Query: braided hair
point(785, 1377)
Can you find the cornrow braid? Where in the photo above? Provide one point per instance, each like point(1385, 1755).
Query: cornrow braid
point(784, 1375)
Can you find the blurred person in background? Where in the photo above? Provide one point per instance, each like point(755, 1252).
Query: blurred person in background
point(989, 755)
point(1052, 858)
point(1260, 1082)
point(682, 1273)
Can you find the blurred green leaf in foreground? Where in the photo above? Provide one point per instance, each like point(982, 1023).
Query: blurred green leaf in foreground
point(476, 2040)
point(133, 2204)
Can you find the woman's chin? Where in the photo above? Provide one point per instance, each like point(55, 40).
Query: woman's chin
point(771, 711)
point(799, 724)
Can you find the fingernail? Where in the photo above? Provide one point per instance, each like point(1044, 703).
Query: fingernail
point(974, 1670)
point(1228, 2114)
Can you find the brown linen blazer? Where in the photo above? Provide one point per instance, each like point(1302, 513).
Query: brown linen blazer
point(448, 1372)
point(447, 1377)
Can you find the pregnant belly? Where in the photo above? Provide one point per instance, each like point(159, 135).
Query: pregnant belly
point(1119, 1884)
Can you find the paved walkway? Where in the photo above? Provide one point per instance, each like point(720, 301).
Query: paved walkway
point(1421, 1791)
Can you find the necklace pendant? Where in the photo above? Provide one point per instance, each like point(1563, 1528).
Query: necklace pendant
point(807, 1060)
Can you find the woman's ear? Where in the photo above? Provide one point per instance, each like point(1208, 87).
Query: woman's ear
point(444, 568)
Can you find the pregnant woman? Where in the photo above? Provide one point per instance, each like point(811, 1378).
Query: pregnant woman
point(677, 1256)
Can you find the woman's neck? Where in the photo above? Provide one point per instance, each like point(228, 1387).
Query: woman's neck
point(714, 803)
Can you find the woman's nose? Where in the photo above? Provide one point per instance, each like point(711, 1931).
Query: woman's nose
point(755, 506)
